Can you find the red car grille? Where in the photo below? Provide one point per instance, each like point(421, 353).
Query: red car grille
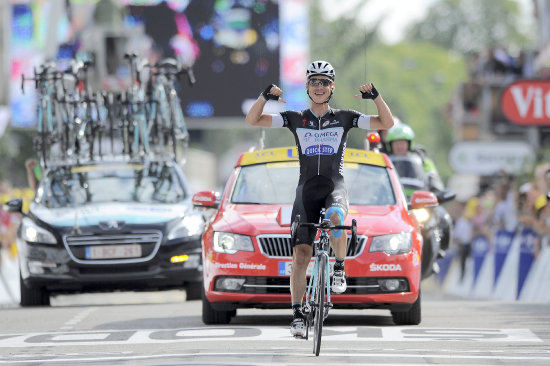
point(281, 285)
point(279, 246)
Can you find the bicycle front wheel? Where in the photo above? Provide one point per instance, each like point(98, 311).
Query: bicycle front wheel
point(320, 304)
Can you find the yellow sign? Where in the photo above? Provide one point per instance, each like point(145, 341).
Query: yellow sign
point(282, 154)
point(269, 156)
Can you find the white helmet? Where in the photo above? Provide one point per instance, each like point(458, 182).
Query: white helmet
point(320, 68)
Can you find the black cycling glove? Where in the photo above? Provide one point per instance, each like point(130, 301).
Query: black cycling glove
point(370, 95)
point(267, 95)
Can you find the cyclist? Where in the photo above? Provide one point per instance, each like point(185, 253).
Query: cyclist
point(320, 133)
point(400, 142)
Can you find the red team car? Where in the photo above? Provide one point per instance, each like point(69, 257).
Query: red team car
point(247, 254)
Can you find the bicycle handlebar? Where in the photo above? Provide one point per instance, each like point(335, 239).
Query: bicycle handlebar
point(39, 77)
point(171, 67)
point(325, 225)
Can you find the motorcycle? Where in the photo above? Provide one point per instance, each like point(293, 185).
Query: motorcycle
point(436, 221)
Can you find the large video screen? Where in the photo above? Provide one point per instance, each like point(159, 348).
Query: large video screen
point(233, 47)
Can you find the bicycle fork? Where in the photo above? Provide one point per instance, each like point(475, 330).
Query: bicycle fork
point(310, 303)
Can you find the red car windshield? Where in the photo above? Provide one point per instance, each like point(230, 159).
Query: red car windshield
point(275, 184)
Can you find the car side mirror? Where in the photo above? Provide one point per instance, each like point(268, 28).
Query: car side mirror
point(445, 195)
point(15, 206)
point(423, 199)
point(206, 199)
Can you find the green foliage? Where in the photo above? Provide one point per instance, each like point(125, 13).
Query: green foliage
point(15, 148)
point(472, 25)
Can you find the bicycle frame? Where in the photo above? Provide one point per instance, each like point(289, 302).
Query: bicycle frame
point(321, 249)
point(315, 308)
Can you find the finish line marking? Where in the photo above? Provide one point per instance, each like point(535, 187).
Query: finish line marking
point(276, 334)
point(298, 353)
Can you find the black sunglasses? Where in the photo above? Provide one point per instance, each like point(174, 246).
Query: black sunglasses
point(317, 82)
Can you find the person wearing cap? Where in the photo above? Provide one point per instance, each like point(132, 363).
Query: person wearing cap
point(320, 133)
point(399, 141)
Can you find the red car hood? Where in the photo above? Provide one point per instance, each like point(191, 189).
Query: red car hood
point(261, 219)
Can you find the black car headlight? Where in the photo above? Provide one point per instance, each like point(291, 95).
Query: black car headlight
point(190, 225)
point(230, 243)
point(33, 233)
point(392, 244)
point(422, 215)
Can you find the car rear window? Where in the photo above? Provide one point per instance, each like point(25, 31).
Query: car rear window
point(275, 183)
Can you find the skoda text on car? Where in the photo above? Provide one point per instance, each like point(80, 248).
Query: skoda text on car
point(247, 253)
point(109, 226)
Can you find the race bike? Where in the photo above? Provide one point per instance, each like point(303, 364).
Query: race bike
point(436, 221)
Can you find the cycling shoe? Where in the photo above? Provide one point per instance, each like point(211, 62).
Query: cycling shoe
point(339, 284)
point(298, 328)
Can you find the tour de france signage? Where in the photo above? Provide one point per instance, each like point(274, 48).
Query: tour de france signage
point(488, 157)
point(527, 102)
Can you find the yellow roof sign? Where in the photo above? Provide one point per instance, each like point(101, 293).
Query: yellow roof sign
point(290, 154)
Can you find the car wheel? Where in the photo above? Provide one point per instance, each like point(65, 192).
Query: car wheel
point(33, 296)
point(411, 317)
point(212, 316)
point(427, 257)
point(193, 291)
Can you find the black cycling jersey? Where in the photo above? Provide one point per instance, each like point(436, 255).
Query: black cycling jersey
point(321, 143)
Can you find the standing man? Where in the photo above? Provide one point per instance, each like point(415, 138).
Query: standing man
point(320, 133)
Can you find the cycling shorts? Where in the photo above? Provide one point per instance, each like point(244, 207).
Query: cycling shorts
point(312, 196)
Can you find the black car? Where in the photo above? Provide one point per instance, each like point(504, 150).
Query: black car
point(109, 226)
point(436, 221)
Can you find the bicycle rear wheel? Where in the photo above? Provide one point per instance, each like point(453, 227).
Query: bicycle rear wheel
point(320, 305)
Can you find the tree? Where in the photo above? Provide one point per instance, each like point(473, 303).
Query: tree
point(471, 25)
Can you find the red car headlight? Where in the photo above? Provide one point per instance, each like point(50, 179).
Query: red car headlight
point(392, 244)
point(230, 243)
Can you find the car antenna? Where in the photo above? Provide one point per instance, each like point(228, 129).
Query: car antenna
point(76, 228)
point(262, 139)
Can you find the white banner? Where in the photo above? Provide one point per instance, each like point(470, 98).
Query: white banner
point(485, 158)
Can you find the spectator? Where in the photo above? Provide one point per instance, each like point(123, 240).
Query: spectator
point(30, 166)
point(542, 216)
point(504, 215)
point(8, 227)
point(462, 233)
point(526, 203)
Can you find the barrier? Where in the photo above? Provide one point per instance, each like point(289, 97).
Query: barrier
point(503, 243)
point(9, 279)
point(505, 270)
point(526, 256)
point(537, 283)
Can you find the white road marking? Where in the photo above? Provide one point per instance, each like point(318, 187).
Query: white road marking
point(70, 324)
point(273, 334)
point(297, 353)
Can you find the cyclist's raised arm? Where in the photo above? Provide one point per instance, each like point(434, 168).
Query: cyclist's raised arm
point(384, 119)
point(255, 116)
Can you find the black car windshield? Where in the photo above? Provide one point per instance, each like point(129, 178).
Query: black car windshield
point(151, 183)
point(275, 183)
point(410, 170)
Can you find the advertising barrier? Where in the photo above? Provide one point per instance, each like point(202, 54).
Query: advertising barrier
point(506, 268)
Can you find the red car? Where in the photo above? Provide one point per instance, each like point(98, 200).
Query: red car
point(246, 249)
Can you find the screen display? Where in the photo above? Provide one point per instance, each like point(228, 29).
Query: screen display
point(233, 47)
